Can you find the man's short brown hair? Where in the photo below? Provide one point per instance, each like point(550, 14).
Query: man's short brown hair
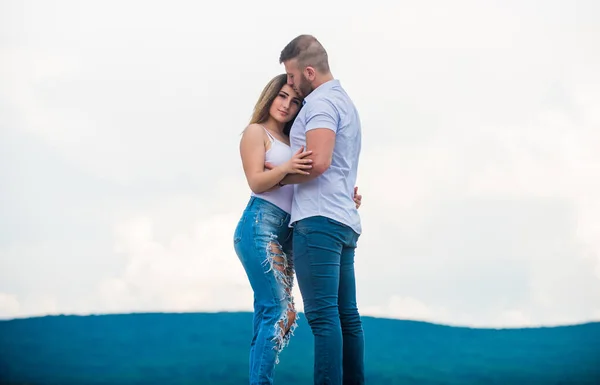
point(307, 50)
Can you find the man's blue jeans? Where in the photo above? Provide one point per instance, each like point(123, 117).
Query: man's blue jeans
point(323, 252)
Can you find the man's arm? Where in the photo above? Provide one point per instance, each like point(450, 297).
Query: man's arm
point(322, 122)
point(321, 142)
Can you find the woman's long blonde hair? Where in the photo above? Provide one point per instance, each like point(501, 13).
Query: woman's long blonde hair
point(268, 94)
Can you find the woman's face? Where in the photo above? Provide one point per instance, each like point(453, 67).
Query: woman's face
point(286, 104)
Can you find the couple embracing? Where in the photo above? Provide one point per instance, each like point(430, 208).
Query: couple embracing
point(300, 155)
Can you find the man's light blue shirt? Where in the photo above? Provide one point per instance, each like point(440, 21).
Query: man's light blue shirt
point(332, 193)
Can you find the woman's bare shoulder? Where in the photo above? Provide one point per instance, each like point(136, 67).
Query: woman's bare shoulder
point(254, 128)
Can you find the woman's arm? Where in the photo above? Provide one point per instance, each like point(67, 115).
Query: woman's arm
point(252, 151)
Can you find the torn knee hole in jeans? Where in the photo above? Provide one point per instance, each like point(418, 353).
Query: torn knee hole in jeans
point(277, 258)
point(283, 270)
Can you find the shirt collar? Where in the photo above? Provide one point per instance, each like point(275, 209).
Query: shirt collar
point(322, 88)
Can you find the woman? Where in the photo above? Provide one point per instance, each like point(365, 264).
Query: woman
point(262, 238)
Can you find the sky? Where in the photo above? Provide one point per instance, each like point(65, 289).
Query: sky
point(121, 182)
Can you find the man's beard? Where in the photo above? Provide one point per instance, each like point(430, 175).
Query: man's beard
point(304, 87)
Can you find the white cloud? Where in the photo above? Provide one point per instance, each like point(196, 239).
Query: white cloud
point(179, 262)
point(514, 318)
point(192, 270)
point(407, 308)
point(9, 306)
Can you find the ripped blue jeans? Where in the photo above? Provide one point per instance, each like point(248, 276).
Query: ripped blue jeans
point(262, 241)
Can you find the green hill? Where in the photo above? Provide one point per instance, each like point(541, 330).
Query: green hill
point(208, 349)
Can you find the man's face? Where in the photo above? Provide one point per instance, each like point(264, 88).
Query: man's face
point(296, 78)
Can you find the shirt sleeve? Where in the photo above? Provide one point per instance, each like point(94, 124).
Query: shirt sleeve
point(321, 114)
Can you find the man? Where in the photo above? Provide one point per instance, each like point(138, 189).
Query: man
point(324, 216)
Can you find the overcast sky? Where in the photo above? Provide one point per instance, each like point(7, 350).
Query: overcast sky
point(121, 182)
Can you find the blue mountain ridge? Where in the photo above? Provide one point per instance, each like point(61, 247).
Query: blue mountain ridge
point(212, 348)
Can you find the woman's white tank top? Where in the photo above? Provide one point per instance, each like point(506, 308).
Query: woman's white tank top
point(279, 153)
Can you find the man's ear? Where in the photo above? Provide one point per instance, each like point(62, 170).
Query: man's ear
point(310, 73)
